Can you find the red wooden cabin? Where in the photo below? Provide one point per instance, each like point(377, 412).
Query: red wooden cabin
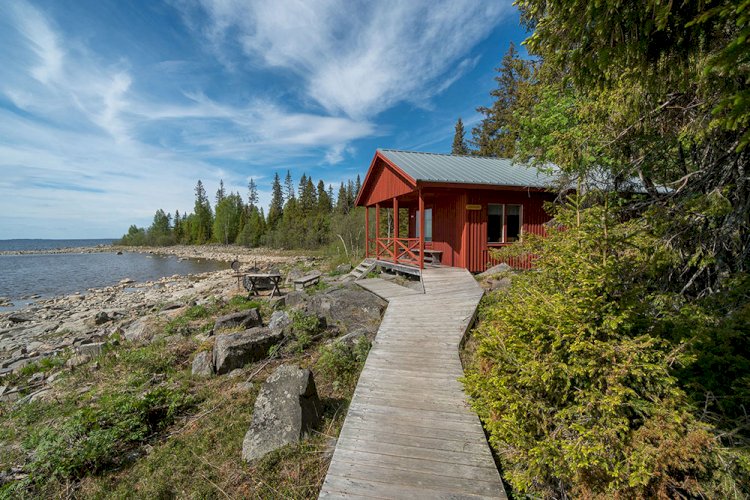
point(466, 204)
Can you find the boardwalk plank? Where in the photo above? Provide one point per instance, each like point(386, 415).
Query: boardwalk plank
point(409, 431)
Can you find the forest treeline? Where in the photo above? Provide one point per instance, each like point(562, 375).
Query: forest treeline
point(308, 216)
point(620, 367)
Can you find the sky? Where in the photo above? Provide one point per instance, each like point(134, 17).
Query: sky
point(112, 109)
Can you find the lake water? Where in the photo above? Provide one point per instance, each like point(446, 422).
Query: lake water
point(61, 274)
point(15, 245)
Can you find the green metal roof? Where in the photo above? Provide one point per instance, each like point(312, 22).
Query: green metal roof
point(434, 167)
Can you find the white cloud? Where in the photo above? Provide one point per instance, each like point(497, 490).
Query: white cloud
point(358, 58)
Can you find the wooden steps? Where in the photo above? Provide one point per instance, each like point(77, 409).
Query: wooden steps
point(409, 431)
point(362, 269)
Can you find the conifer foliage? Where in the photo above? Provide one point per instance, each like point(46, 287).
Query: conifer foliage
point(307, 217)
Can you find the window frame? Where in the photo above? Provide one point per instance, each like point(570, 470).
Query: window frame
point(417, 229)
point(502, 221)
point(504, 235)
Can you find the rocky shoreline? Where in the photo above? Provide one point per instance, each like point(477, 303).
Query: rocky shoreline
point(225, 253)
point(48, 327)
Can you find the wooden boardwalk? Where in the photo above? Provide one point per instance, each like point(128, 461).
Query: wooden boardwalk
point(409, 432)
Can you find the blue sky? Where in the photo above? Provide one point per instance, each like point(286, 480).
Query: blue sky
point(110, 110)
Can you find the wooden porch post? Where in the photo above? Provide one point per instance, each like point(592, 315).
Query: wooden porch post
point(367, 232)
point(421, 230)
point(377, 230)
point(395, 230)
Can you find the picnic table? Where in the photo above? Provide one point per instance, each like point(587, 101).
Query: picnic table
point(254, 281)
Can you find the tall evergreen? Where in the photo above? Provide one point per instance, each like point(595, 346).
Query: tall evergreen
point(276, 209)
point(459, 139)
point(252, 194)
point(342, 202)
point(307, 196)
point(178, 227)
point(497, 133)
point(201, 232)
point(289, 186)
point(221, 192)
point(324, 201)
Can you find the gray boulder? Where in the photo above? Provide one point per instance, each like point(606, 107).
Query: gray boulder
point(349, 307)
point(351, 338)
point(343, 268)
point(500, 268)
point(280, 320)
point(286, 409)
point(19, 318)
point(243, 319)
point(138, 331)
point(101, 318)
point(203, 364)
point(77, 360)
point(91, 350)
point(296, 299)
point(235, 350)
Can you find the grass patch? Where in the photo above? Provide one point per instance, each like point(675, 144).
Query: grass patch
point(136, 424)
point(192, 320)
point(43, 365)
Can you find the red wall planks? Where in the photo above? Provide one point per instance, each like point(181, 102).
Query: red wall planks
point(462, 234)
point(383, 182)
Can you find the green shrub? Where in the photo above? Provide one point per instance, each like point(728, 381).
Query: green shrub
point(574, 385)
point(304, 328)
point(341, 362)
point(98, 436)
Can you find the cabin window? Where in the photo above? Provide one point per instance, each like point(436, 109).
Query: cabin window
point(427, 224)
point(512, 223)
point(494, 223)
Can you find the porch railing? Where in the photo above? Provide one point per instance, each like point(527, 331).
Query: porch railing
point(398, 250)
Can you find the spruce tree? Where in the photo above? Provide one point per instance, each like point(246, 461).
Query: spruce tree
point(342, 202)
point(324, 201)
point(221, 192)
point(288, 186)
point(496, 134)
point(459, 139)
point(276, 209)
point(252, 194)
point(203, 216)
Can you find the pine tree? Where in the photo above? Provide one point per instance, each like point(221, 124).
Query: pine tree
point(495, 136)
point(357, 187)
point(276, 209)
point(178, 227)
point(220, 193)
point(459, 139)
point(288, 186)
point(307, 196)
point(324, 201)
point(201, 232)
point(342, 202)
point(350, 195)
point(252, 195)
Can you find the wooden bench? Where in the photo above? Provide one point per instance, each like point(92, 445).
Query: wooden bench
point(431, 256)
point(307, 280)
